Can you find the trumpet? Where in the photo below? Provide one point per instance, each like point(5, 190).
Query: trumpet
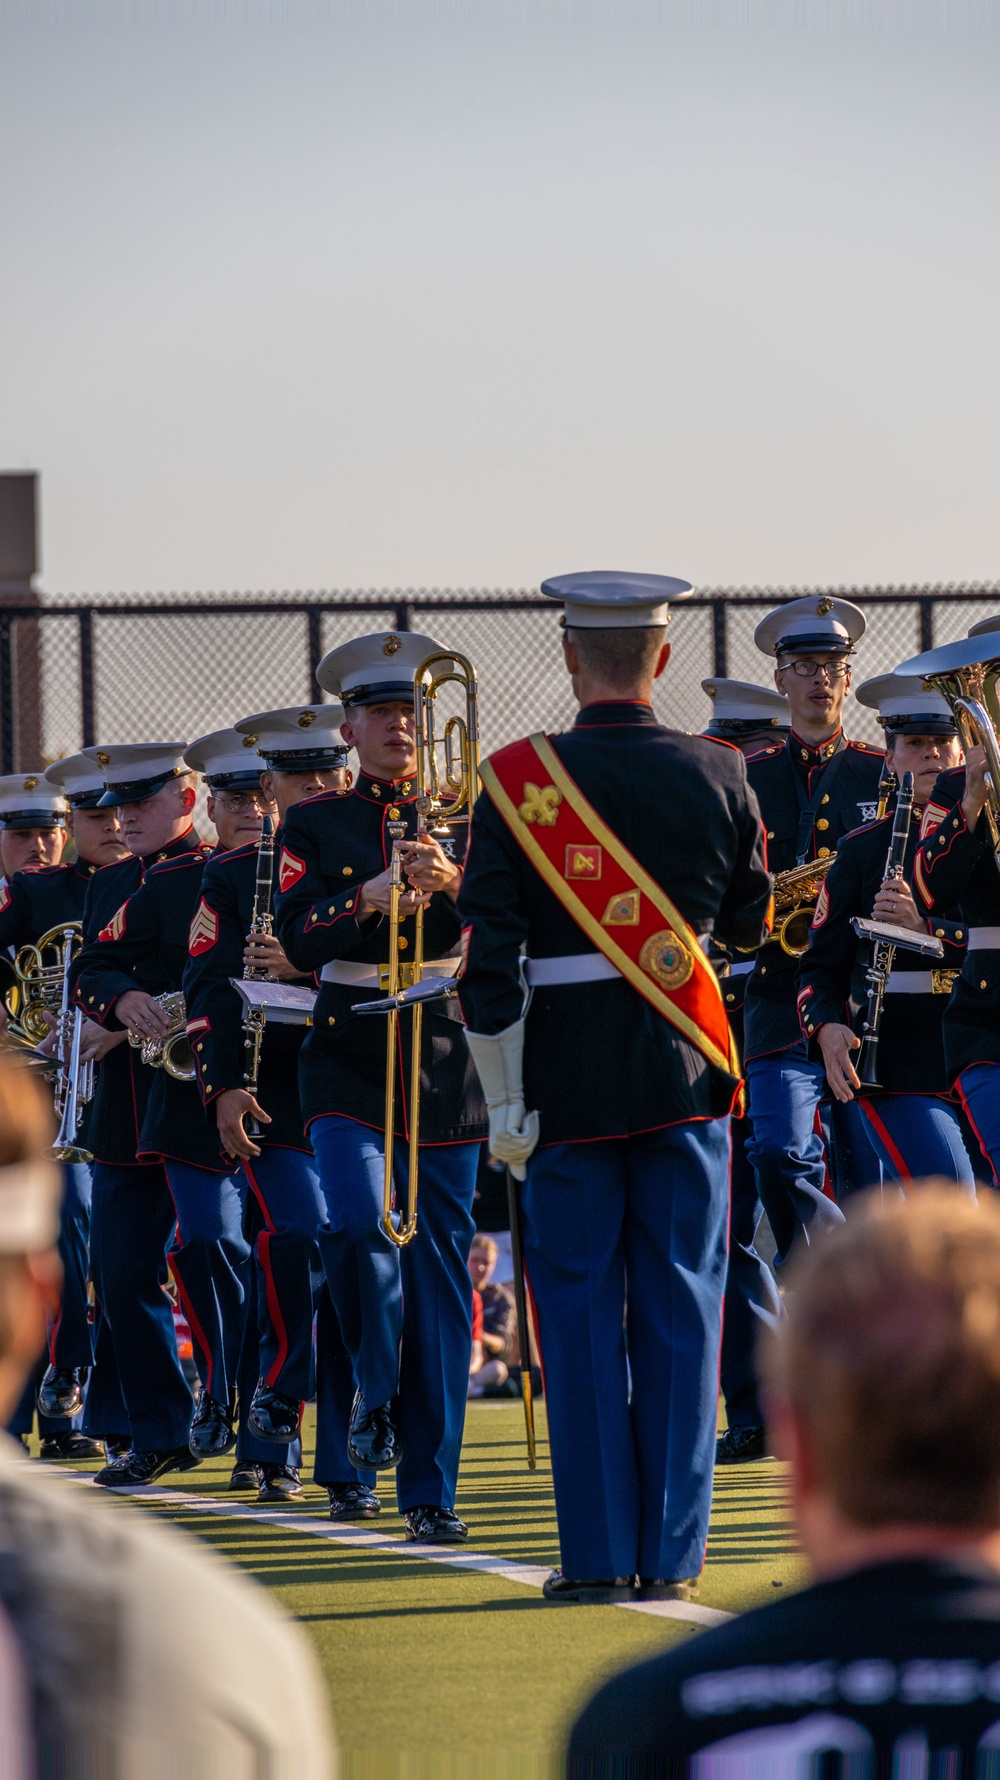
point(172, 1052)
point(440, 797)
point(74, 1084)
point(797, 892)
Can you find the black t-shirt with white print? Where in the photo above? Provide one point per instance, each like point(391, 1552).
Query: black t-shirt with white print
point(890, 1671)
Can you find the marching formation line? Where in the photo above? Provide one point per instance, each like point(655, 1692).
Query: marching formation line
point(508, 1569)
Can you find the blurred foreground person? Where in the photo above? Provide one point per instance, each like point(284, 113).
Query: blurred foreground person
point(884, 1394)
point(103, 1666)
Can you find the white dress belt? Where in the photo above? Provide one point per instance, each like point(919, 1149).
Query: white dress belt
point(364, 976)
point(911, 982)
point(578, 967)
point(984, 939)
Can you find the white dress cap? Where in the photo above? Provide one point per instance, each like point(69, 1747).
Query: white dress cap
point(964, 653)
point(28, 800)
point(905, 707)
point(741, 704)
point(297, 739)
point(605, 599)
point(224, 760)
point(985, 624)
point(817, 622)
point(79, 776)
point(137, 770)
point(378, 669)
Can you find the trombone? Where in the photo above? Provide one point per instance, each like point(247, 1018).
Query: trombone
point(445, 789)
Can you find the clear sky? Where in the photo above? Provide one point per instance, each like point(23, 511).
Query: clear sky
point(319, 298)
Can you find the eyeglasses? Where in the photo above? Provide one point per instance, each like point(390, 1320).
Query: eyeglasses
point(239, 803)
point(807, 670)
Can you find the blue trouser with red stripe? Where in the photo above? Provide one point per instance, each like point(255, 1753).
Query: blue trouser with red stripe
point(625, 1245)
point(132, 1223)
point(979, 1086)
point(786, 1149)
point(209, 1262)
point(908, 1137)
point(285, 1185)
point(405, 1316)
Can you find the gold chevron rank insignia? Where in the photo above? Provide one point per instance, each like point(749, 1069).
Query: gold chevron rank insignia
point(115, 927)
point(204, 930)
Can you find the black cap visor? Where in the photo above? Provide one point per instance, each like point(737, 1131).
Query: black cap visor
point(33, 819)
point(234, 781)
point(930, 724)
point(305, 760)
point(744, 726)
point(382, 692)
point(86, 800)
point(135, 790)
point(820, 645)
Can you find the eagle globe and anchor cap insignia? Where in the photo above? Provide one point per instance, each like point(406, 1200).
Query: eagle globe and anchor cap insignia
point(666, 960)
point(391, 646)
point(305, 718)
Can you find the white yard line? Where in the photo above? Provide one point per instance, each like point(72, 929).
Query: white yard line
point(527, 1575)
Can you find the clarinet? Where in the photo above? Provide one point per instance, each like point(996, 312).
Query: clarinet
point(883, 951)
point(261, 922)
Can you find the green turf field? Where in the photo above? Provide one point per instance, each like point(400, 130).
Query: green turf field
point(437, 1671)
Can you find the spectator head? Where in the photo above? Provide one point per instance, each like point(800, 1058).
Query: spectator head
point(30, 1190)
point(884, 1378)
point(482, 1260)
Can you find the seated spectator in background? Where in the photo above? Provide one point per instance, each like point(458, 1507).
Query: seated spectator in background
point(883, 1390)
point(495, 1318)
point(125, 1647)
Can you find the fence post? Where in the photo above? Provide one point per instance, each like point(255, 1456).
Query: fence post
point(315, 652)
point(85, 622)
point(403, 615)
point(720, 640)
point(926, 624)
point(6, 693)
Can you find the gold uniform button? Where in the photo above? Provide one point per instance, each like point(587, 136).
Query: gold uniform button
point(770, 834)
point(730, 998)
point(375, 791)
point(90, 1001)
point(822, 823)
point(330, 1020)
point(983, 983)
point(402, 942)
point(939, 933)
point(393, 813)
point(763, 970)
point(825, 797)
point(347, 872)
point(208, 1087)
point(959, 934)
point(349, 907)
point(823, 853)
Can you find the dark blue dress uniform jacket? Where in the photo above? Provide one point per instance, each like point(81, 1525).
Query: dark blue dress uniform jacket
point(117, 1133)
point(599, 1061)
point(331, 844)
point(831, 975)
point(228, 887)
point(779, 776)
point(44, 896)
point(957, 869)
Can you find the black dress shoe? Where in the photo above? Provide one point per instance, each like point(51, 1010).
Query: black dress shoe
point(245, 1476)
point(61, 1390)
point(352, 1501)
point(564, 1591)
point(737, 1446)
point(273, 1416)
point(145, 1467)
point(434, 1526)
point(278, 1483)
point(116, 1446)
point(372, 1440)
point(650, 1588)
point(212, 1432)
point(70, 1445)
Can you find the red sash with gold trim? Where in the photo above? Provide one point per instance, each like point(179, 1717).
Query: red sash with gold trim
point(613, 900)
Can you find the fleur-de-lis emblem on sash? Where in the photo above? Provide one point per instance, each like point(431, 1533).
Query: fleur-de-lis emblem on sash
point(541, 805)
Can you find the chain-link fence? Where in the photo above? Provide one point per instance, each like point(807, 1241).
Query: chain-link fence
point(153, 670)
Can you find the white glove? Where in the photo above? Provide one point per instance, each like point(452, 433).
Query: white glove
point(499, 1065)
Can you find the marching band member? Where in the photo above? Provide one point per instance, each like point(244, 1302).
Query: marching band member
point(614, 852)
point(747, 716)
point(406, 1317)
point(907, 1128)
point(302, 754)
point(133, 1214)
point(209, 1255)
point(40, 894)
point(812, 789)
point(956, 865)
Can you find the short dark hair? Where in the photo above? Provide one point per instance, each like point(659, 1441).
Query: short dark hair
point(890, 1353)
point(621, 658)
